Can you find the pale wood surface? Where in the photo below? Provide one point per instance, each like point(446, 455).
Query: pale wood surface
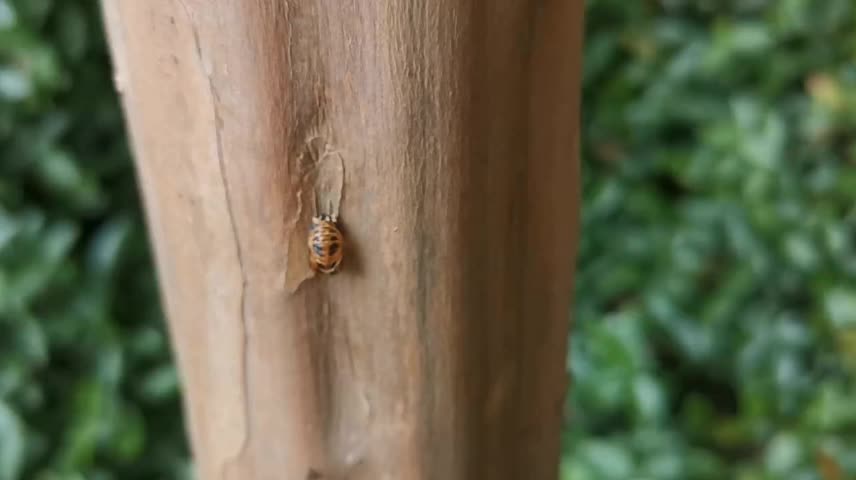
point(439, 351)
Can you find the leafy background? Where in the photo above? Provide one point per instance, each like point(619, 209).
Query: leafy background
point(87, 387)
point(715, 331)
point(716, 294)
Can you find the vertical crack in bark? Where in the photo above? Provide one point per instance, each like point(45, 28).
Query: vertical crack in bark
point(245, 349)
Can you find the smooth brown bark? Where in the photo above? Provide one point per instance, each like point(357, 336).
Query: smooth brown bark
point(438, 352)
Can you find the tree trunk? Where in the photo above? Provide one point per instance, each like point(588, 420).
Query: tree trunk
point(444, 133)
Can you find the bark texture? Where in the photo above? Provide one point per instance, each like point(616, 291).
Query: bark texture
point(438, 352)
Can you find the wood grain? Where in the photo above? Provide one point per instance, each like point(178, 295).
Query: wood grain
point(439, 350)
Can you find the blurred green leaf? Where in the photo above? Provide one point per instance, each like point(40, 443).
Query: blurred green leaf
point(14, 85)
point(840, 306)
point(11, 444)
point(7, 15)
point(607, 460)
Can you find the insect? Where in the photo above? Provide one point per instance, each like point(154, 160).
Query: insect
point(326, 244)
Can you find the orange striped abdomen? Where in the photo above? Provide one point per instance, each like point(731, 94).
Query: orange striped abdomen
point(326, 244)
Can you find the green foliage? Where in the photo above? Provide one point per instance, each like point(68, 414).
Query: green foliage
point(716, 293)
point(87, 388)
